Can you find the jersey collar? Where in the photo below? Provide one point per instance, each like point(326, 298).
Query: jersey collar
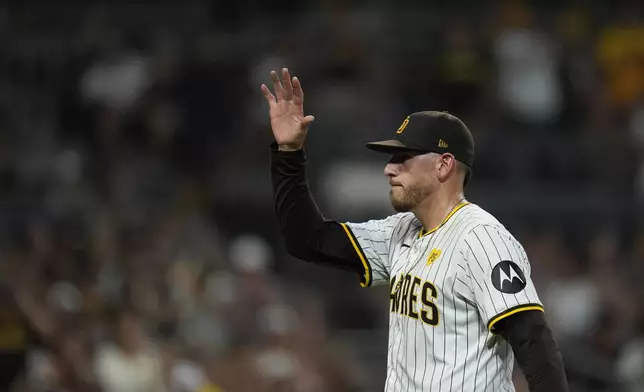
point(460, 205)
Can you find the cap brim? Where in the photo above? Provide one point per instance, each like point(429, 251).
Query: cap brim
point(389, 146)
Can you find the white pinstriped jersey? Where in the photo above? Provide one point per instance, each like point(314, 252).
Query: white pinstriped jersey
point(448, 289)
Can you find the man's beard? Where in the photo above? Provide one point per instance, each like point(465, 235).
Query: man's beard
point(408, 198)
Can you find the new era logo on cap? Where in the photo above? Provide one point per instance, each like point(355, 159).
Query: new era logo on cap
point(442, 144)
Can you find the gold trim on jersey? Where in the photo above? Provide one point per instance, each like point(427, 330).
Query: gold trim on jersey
point(456, 208)
point(361, 255)
point(510, 312)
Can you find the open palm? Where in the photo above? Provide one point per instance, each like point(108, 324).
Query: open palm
point(286, 109)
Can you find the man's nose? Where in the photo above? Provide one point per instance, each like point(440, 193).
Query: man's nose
point(391, 169)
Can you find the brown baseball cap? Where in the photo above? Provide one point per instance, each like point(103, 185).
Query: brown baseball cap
point(431, 131)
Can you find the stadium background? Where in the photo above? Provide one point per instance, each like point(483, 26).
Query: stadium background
point(135, 202)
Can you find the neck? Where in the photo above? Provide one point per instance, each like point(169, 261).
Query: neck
point(435, 208)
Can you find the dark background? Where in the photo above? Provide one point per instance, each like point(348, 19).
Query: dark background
point(134, 182)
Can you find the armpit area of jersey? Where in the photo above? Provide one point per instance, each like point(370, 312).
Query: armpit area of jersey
point(535, 350)
point(307, 234)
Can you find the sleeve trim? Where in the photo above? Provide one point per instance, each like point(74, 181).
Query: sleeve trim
point(510, 312)
point(366, 282)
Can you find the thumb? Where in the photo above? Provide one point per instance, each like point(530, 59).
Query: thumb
point(306, 121)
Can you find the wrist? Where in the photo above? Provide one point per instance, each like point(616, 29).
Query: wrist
point(288, 148)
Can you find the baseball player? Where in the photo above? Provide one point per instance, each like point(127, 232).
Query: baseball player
point(462, 304)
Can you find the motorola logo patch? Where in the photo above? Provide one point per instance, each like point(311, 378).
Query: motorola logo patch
point(508, 278)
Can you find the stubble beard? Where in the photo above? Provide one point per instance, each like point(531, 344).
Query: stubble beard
point(408, 198)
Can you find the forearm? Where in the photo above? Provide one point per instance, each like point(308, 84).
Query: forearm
point(297, 214)
point(536, 351)
point(306, 233)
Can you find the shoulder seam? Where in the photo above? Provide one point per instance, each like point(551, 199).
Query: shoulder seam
point(476, 226)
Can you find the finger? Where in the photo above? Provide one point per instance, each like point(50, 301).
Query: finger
point(307, 120)
point(288, 87)
point(277, 86)
point(270, 98)
point(297, 90)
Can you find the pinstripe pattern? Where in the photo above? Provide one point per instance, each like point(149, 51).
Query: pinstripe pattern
point(438, 329)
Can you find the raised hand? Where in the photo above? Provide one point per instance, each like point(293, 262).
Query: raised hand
point(286, 110)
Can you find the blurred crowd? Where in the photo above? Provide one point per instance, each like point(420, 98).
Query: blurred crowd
point(138, 242)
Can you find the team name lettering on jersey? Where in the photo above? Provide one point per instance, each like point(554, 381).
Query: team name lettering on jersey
point(415, 298)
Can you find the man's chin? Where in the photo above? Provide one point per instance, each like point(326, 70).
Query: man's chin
point(400, 205)
point(400, 208)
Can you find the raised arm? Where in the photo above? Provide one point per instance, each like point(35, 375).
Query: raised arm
point(307, 234)
point(362, 248)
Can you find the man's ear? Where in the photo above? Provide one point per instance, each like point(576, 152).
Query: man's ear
point(446, 164)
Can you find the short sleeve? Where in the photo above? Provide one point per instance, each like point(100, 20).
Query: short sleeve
point(372, 240)
point(499, 273)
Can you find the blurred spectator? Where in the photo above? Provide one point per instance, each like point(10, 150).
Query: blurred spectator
point(528, 68)
point(462, 71)
point(118, 79)
point(16, 339)
point(129, 363)
point(631, 366)
point(620, 55)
